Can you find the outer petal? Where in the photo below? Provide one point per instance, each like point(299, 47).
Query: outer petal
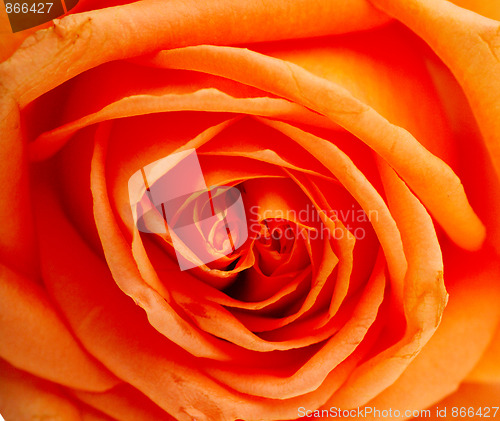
point(53, 56)
point(472, 395)
point(124, 403)
point(482, 186)
point(488, 368)
point(10, 41)
point(209, 100)
point(34, 337)
point(24, 397)
point(468, 323)
point(490, 9)
point(469, 44)
point(17, 243)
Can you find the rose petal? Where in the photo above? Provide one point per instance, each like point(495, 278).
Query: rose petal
point(24, 397)
point(213, 325)
point(325, 196)
point(224, 139)
point(453, 33)
point(118, 172)
point(17, 241)
point(488, 368)
point(50, 57)
point(34, 338)
point(482, 186)
point(482, 398)
point(124, 403)
point(424, 296)
point(468, 324)
point(215, 319)
point(200, 288)
point(209, 100)
point(483, 7)
point(384, 68)
point(88, 414)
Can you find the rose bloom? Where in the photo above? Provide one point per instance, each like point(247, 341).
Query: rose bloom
point(377, 122)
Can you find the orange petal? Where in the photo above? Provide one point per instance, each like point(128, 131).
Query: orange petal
point(124, 403)
point(220, 322)
point(468, 323)
point(482, 398)
point(384, 68)
point(487, 8)
point(453, 33)
point(482, 186)
point(129, 278)
point(89, 414)
point(53, 56)
point(208, 100)
point(24, 397)
point(488, 368)
point(34, 338)
point(424, 297)
point(17, 245)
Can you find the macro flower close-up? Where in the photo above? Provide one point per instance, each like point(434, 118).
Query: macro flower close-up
point(233, 210)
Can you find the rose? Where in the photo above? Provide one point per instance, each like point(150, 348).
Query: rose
point(95, 304)
point(85, 339)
